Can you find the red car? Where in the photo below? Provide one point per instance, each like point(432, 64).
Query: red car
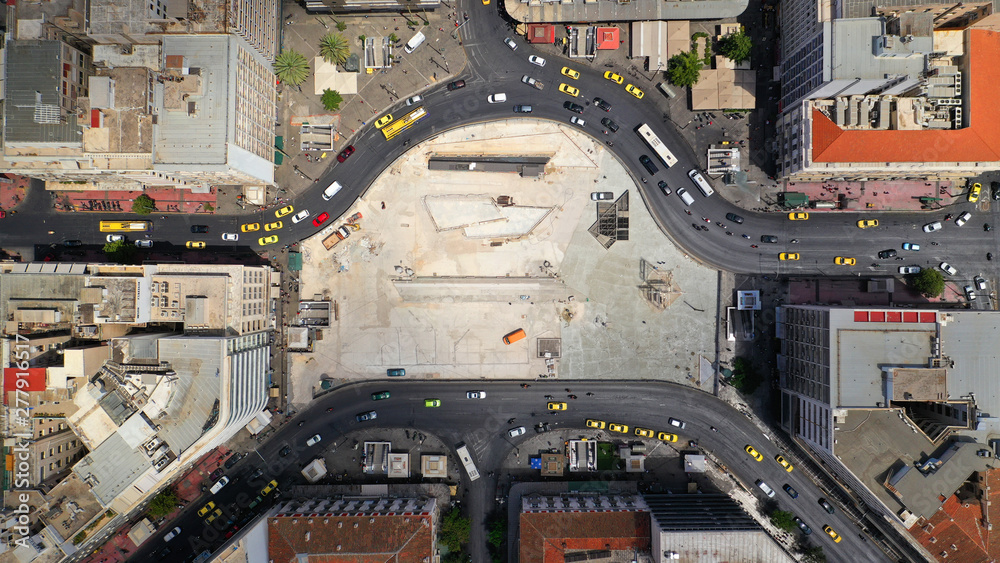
point(345, 154)
point(320, 219)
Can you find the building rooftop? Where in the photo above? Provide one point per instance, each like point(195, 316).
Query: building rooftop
point(923, 492)
point(551, 536)
point(298, 538)
point(32, 109)
point(529, 11)
point(978, 142)
point(961, 528)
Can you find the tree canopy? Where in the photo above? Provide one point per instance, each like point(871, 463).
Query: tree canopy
point(163, 503)
point(291, 67)
point(784, 520)
point(928, 281)
point(331, 99)
point(455, 530)
point(334, 49)
point(120, 251)
point(684, 69)
point(736, 46)
point(143, 205)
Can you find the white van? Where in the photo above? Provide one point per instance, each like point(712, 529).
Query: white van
point(700, 181)
point(685, 196)
point(666, 89)
point(218, 486)
point(414, 42)
point(332, 190)
point(764, 487)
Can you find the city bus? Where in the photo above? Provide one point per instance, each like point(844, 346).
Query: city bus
point(657, 145)
point(403, 123)
point(466, 457)
point(125, 226)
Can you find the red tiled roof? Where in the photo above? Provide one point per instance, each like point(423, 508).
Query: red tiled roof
point(607, 38)
point(547, 536)
point(541, 33)
point(980, 142)
point(962, 526)
point(376, 539)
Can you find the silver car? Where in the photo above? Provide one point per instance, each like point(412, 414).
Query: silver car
point(536, 60)
point(909, 269)
point(931, 227)
point(963, 218)
point(413, 100)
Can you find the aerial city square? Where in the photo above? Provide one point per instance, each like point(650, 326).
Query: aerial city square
point(525, 281)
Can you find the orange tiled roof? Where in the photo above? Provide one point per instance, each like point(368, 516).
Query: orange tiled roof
point(547, 536)
point(961, 526)
point(395, 539)
point(980, 142)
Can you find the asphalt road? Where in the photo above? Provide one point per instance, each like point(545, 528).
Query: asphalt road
point(482, 425)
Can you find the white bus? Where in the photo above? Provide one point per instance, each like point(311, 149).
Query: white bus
point(466, 457)
point(657, 145)
point(700, 181)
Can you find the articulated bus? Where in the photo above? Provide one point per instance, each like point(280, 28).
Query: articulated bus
point(403, 123)
point(466, 457)
point(657, 145)
point(126, 226)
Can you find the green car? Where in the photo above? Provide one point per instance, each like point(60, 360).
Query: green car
point(432, 402)
point(380, 395)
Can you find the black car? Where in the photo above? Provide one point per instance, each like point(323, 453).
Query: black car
point(199, 228)
point(232, 460)
point(734, 218)
point(648, 163)
point(257, 473)
point(791, 491)
point(890, 253)
point(285, 451)
point(366, 416)
point(663, 186)
point(602, 103)
point(995, 189)
point(214, 476)
point(573, 107)
point(769, 238)
point(72, 243)
point(611, 125)
point(803, 526)
point(826, 505)
point(452, 86)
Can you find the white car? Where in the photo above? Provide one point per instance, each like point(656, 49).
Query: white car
point(231, 237)
point(911, 246)
point(172, 534)
point(300, 216)
point(536, 60)
point(414, 100)
point(577, 121)
point(980, 282)
point(314, 440)
point(678, 423)
point(115, 238)
point(601, 196)
point(931, 227)
point(219, 484)
point(515, 432)
point(144, 243)
point(497, 98)
point(476, 395)
point(510, 43)
point(963, 218)
point(948, 268)
point(970, 293)
point(909, 269)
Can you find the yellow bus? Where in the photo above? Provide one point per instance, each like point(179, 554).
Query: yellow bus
point(403, 123)
point(125, 226)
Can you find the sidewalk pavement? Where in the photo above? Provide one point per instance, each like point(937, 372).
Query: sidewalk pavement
point(13, 192)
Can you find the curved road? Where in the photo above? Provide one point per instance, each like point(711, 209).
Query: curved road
point(482, 425)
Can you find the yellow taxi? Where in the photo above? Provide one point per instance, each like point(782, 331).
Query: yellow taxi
point(273, 226)
point(204, 510)
point(666, 437)
point(567, 89)
point(264, 241)
point(196, 244)
point(383, 121)
point(270, 487)
point(842, 261)
point(615, 427)
point(865, 223)
point(634, 91)
point(566, 71)
point(832, 533)
point(250, 227)
point(557, 406)
point(783, 462)
point(284, 211)
point(753, 453)
point(213, 516)
point(974, 192)
point(798, 216)
point(644, 432)
point(788, 256)
point(616, 78)
point(486, 2)
point(593, 423)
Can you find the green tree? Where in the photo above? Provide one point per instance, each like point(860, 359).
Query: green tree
point(454, 557)
point(331, 99)
point(334, 49)
point(163, 504)
point(498, 533)
point(784, 520)
point(341, 26)
point(928, 281)
point(813, 554)
point(684, 69)
point(454, 530)
point(119, 251)
point(393, 38)
point(745, 378)
point(736, 46)
point(291, 67)
point(143, 205)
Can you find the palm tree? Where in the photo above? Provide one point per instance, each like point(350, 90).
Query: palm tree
point(291, 67)
point(333, 48)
